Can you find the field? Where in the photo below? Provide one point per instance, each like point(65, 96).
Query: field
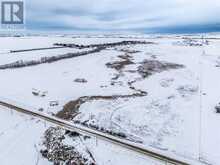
point(160, 92)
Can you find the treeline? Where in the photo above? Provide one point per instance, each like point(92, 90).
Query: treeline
point(105, 45)
point(21, 63)
point(95, 49)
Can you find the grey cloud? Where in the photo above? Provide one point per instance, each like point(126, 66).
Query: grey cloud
point(122, 14)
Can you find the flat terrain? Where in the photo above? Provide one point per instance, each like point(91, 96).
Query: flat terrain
point(160, 92)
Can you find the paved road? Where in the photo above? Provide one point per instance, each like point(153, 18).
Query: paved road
point(94, 133)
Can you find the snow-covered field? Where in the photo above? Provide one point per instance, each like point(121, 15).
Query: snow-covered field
point(161, 96)
point(22, 136)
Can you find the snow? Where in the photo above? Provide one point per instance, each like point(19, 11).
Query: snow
point(21, 141)
point(176, 118)
point(20, 136)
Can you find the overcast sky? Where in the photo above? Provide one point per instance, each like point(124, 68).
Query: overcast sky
point(115, 15)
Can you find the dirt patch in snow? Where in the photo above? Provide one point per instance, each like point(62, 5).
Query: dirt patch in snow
point(71, 109)
point(121, 63)
point(129, 51)
point(80, 80)
point(145, 69)
point(187, 90)
point(149, 67)
point(217, 108)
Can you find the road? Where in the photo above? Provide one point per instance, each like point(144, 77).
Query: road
point(94, 133)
